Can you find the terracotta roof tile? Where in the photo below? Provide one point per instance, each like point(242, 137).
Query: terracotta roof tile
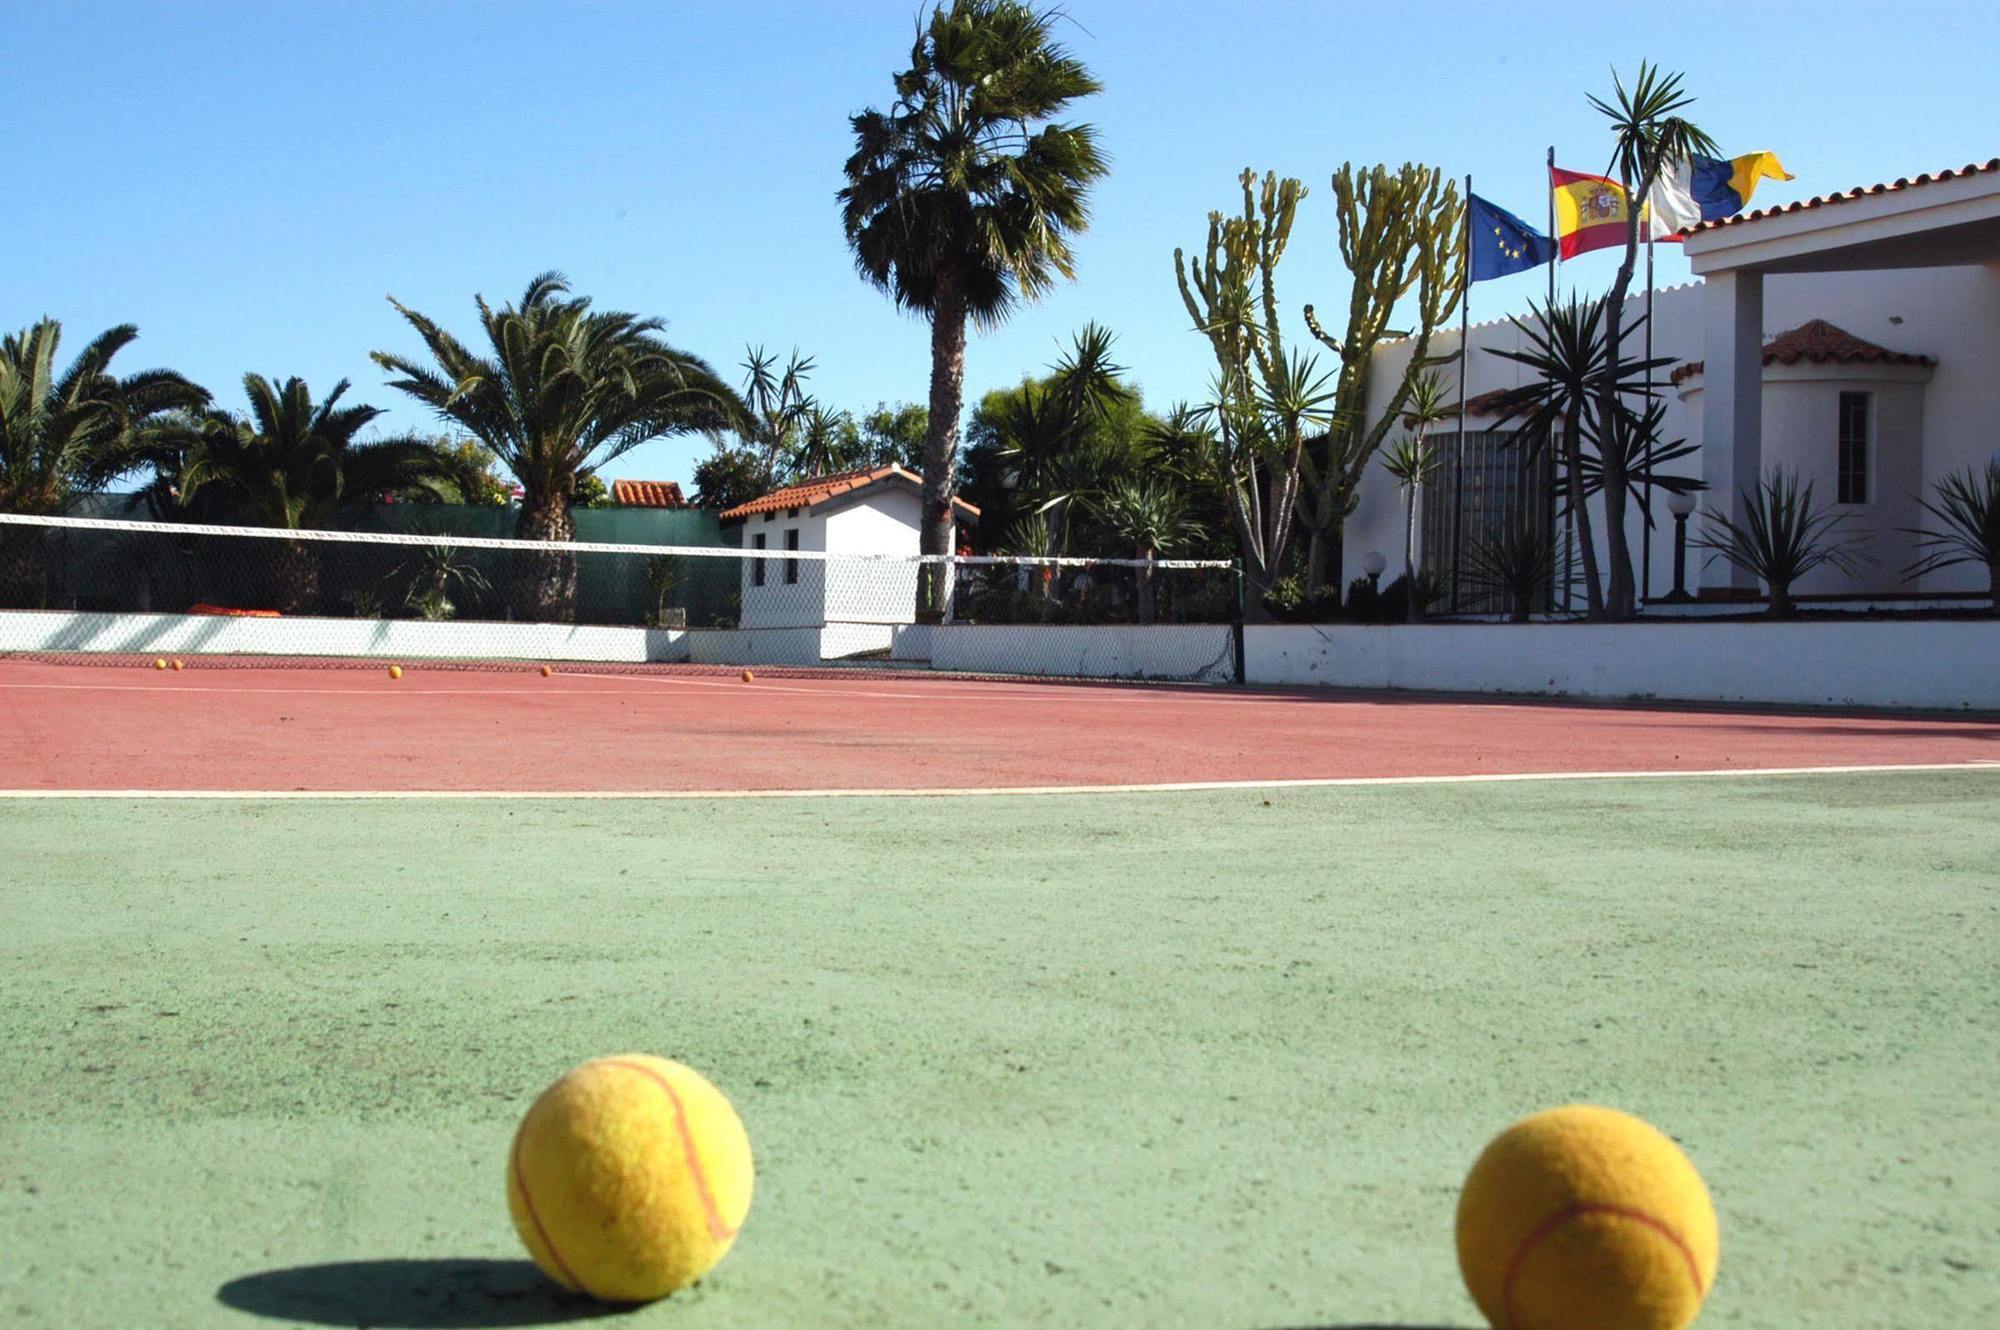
point(1848, 196)
point(818, 489)
point(1818, 342)
point(647, 494)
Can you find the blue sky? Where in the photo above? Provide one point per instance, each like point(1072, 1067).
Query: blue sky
point(247, 181)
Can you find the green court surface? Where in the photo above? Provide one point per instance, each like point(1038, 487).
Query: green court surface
point(1214, 1059)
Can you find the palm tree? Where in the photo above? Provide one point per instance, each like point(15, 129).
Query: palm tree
point(1648, 132)
point(962, 198)
point(1967, 510)
point(1151, 515)
point(291, 461)
point(778, 405)
point(565, 390)
point(1785, 534)
point(61, 432)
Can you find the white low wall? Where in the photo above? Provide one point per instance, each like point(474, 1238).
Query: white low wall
point(409, 639)
point(1944, 664)
point(1104, 651)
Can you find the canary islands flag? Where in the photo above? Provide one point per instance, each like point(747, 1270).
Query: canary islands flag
point(1706, 189)
point(1502, 243)
point(1590, 211)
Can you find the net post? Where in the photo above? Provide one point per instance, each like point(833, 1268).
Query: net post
point(1236, 620)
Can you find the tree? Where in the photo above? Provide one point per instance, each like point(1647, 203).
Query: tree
point(1151, 516)
point(565, 390)
point(962, 198)
point(779, 408)
point(477, 483)
point(1648, 133)
point(291, 461)
point(1412, 460)
point(894, 436)
point(727, 477)
point(63, 432)
point(1263, 404)
point(1397, 230)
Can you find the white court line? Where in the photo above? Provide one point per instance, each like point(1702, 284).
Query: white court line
point(978, 791)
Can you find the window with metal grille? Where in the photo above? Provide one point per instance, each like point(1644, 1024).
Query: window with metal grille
point(757, 565)
point(792, 565)
point(1854, 422)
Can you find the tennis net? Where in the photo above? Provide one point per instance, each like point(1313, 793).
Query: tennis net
point(111, 590)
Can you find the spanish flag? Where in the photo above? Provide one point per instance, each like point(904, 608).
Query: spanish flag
point(1590, 211)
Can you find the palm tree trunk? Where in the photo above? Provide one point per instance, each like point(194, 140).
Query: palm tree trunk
point(544, 582)
point(24, 568)
point(1620, 599)
point(941, 443)
point(1573, 467)
point(295, 578)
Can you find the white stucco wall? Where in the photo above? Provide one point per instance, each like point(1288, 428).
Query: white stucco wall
point(778, 603)
point(1949, 314)
point(859, 591)
point(1948, 665)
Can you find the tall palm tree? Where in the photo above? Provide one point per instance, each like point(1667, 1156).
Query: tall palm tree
point(290, 461)
point(64, 431)
point(962, 198)
point(565, 390)
point(1648, 132)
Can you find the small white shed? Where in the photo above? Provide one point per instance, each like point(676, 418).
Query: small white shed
point(855, 518)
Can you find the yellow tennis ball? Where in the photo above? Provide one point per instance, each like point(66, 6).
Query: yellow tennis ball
point(159, 662)
point(395, 671)
point(629, 1178)
point(1585, 1218)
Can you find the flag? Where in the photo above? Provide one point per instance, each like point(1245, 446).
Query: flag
point(1706, 189)
point(1590, 211)
point(1502, 243)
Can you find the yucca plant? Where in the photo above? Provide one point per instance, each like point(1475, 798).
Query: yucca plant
point(1785, 534)
point(1966, 506)
point(436, 574)
point(1516, 562)
point(1152, 516)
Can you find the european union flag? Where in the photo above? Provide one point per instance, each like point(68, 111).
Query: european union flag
point(1502, 243)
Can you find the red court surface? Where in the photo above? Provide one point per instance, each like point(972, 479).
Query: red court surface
point(65, 727)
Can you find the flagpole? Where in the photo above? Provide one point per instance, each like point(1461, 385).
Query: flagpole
point(1646, 531)
point(1464, 354)
point(1555, 268)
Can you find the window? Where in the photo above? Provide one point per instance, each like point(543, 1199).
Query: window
point(1854, 413)
point(757, 565)
point(792, 565)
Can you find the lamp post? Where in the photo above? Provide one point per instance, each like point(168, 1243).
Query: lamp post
point(1681, 505)
point(1372, 563)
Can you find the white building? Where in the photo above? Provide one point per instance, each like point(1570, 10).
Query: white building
point(864, 527)
point(1854, 337)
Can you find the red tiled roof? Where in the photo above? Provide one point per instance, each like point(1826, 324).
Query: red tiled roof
point(1486, 404)
point(818, 489)
point(647, 494)
point(1818, 342)
point(1859, 192)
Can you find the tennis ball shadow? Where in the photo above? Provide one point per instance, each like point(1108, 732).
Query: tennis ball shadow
point(412, 1295)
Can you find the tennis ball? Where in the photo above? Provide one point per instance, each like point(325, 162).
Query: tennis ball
point(546, 672)
point(395, 671)
point(159, 662)
point(178, 666)
point(1585, 1218)
point(747, 676)
point(629, 1178)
